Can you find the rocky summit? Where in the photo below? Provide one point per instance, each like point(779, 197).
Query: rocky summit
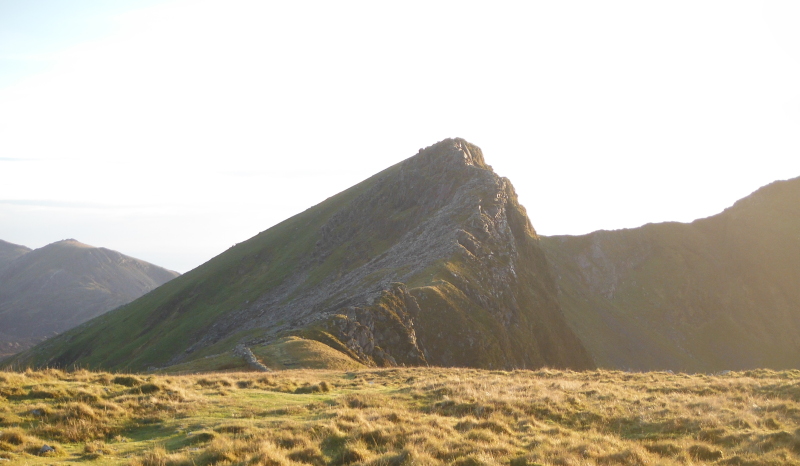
point(430, 262)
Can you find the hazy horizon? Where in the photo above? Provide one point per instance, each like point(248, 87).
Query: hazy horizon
point(171, 130)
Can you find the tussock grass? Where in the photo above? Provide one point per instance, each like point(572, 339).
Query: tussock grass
point(402, 417)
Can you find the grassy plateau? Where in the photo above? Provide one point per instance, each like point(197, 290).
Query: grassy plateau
point(400, 416)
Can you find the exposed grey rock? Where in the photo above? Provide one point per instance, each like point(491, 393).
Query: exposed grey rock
point(251, 359)
point(46, 449)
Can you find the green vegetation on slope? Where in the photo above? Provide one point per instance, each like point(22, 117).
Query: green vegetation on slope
point(153, 329)
point(401, 416)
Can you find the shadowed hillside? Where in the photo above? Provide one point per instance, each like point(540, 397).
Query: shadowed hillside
point(9, 252)
point(718, 293)
point(61, 285)
point(432, 261)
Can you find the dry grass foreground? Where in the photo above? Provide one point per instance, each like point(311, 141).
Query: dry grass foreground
point(400, 416)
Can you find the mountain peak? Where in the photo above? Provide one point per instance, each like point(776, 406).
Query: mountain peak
point(70, 242)
point(452, 151)
point(431, 261)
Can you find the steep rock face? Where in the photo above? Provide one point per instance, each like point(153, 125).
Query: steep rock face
point(59, 286)
point(432, 261)
point(389, 323)
point(463, 244)
point(718, 293)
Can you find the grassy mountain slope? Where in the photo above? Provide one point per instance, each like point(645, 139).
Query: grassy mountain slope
point(427, 262)
point(718, 293)
point(9, 252)
point(64, 284)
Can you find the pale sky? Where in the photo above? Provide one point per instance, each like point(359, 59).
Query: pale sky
point(171, 130)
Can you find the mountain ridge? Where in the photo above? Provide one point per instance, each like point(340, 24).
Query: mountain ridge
point(716, 293)
point(433, 261)
point(423, 263)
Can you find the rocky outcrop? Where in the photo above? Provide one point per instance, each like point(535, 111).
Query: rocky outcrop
point(250, 358)
point(389, 324)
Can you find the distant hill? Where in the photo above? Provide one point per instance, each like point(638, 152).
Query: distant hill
point(718, 293)
point(61, 285)
point(10, 252)
point(432, 261)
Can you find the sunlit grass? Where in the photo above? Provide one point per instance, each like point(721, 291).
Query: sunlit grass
point(401, 416)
